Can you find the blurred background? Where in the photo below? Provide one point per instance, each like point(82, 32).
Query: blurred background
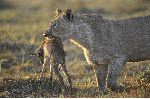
point(22, 23)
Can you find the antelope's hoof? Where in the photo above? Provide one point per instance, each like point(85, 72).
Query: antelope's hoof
point(51, 78)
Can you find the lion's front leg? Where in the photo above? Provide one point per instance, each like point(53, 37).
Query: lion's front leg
point(101, 72)
point(114, 69)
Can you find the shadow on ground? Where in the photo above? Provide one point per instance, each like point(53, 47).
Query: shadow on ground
point(31, 87)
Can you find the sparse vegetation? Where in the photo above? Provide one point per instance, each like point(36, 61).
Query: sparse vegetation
point(22, 23)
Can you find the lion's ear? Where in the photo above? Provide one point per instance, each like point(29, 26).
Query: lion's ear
point(68, 14)
point(58, 12)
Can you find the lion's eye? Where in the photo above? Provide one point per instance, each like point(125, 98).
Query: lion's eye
point(54, 25)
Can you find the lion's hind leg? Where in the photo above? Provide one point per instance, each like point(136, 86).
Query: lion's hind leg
point(115, 68)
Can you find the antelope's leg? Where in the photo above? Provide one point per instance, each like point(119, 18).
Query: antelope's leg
point(46, 63)
point(101, 72)
point(56, 70)
point(43, 67)
point(51, 70)
point(67, 74)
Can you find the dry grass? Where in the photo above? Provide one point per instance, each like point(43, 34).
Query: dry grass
point(22, 24)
